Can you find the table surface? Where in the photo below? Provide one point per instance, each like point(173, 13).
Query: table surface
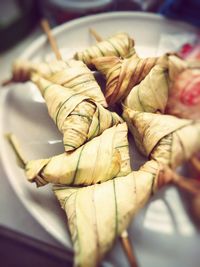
point(12, 212)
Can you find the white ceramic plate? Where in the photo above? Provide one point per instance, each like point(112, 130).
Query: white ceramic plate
point(162, 233)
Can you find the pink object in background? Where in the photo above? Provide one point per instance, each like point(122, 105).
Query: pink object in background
point(191, 51)
point(184, 96)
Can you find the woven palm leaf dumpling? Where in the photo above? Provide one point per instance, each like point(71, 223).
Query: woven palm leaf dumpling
point(71, 74)
point(98, 214)
point(120, 45)
point(151, 94)
point(168, 73)
point(164, 137)
point(111, 206)
point(171, 89)
point(78, 117)
point(123, 74)
point(100, 159)
point(155, 93)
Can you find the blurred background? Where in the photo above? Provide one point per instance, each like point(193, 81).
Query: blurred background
point(18, 18)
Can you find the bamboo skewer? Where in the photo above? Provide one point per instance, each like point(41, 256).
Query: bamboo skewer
point(7, 82)
point(188, 184)
point(128, 249)
point(16, 148)
point(46, 28)
point(195, 163)
point(96, 36)
point(13, 141)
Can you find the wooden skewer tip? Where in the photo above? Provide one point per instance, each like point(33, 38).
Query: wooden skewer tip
point(195, 162)
point(97, 37)
point(7, 82)
point(46, 28)
point(128, 249)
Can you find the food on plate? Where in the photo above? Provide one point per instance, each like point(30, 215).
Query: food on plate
point(171, 89)
point(196, 207)
point(98, 214)
point(78, 117)
point(123, 74)
point(151, 94)
point(100, 159)
point(164, 138)
point(175, 66)
point(120, 45)
point(194, 166)
point(71, 73)
point(92, 179)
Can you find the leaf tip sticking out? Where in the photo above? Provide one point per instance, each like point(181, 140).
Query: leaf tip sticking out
point(95, 34)
point(189, 185)
point(41, 82)
point(11, 138)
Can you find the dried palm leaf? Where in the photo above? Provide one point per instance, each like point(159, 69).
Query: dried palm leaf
point(71, 74)
point(165, 138)
point(101, 159)
point(120, 45)
point(77, 116)
point(123, 74)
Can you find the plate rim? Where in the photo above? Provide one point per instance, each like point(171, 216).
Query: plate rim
point(120, 14)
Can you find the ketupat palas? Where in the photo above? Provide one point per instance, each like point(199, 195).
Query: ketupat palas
point(78, 117)
point(151, 94)
point(164, 138)
point(171, 89)
point(98, 214)
point(101, 159)
point(120, 45)
point(123, 74)
point(72, 74)
point(63, 70)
